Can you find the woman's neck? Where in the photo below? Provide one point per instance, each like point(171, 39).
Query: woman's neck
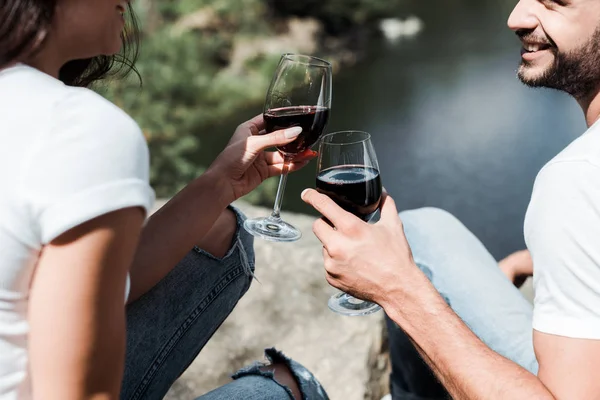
point(48, 59)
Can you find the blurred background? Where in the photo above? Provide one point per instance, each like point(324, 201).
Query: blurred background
point(433, 81)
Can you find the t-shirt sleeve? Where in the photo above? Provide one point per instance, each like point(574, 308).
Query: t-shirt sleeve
point(93, 161)
point(564, 239)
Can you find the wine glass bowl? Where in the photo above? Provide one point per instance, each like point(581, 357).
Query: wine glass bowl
point(312, 119)
point(299, 95)
point(348, 172)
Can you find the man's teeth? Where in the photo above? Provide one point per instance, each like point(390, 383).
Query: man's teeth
point(533, 47)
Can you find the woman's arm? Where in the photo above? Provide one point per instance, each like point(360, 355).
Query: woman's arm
point(176, 228)
point(189, 219)
point(76, 309)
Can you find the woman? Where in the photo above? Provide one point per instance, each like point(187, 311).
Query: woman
point(73, 242)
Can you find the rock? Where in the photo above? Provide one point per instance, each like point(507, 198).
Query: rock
point(287, 308)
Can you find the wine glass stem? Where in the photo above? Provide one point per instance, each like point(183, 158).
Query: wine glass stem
point(281, 188)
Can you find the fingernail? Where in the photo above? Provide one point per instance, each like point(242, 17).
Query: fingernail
point(293, 132)
point(303, 193)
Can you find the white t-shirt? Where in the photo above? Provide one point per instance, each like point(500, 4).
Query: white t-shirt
point(66, 156)
point(562, 231)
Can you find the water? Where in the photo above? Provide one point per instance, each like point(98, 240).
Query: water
point(451, 124)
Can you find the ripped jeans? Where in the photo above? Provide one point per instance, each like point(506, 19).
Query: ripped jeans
point(169, 325)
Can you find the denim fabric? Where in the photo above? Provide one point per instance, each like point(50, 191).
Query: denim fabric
point(169, 325)
point(250, 383)
point(468, 278)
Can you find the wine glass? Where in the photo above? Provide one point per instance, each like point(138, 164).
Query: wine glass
point(348, 172)
point(299, 95)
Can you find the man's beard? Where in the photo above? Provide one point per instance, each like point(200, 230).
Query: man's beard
point(576, 72)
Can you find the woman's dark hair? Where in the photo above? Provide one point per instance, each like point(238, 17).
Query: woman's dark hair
point(24, 25)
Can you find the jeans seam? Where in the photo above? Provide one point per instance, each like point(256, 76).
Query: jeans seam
point(180, 332)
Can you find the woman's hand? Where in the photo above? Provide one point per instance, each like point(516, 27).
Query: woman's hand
point(244, 164)
point(370, 261)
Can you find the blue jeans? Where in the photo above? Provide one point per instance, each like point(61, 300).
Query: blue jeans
point(169, 325)
point(468, 278)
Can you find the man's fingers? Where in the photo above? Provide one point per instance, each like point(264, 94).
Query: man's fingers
point(389, 212)
point(324, 232)
point(327, 207)
point(278, 138)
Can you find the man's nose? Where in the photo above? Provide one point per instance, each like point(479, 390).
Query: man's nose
point(523, 16)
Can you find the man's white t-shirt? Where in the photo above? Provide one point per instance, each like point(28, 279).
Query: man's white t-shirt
point(66, 156)
point(562, 231)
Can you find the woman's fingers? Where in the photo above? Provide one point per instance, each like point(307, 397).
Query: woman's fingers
point(259, 143)
point(275, 157)
point(256, 124)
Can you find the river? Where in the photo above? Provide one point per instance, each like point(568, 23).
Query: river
point(452, 125)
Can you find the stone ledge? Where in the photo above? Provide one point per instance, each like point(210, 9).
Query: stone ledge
point(287, 308)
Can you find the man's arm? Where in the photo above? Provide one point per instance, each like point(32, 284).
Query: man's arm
point(464, 365)
point(568, 366)
point(374, 262)
point(471, 370)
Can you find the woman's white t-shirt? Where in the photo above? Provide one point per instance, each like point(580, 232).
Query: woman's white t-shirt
point(67, 155)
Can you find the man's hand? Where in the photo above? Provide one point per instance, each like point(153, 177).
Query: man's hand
point(243, 164)
point(517, 267)
point(361, 259)
point(374, 262)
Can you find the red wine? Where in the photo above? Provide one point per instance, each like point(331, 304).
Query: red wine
point(312, 119)
point(355, 188)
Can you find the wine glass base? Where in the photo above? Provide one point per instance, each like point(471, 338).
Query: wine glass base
point(272, 229)
point(343, 303)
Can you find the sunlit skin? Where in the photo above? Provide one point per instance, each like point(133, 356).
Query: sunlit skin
point(81, 29)
point(551, 24)
point(561, 46)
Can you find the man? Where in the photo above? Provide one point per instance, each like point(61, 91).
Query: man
point(444, 293)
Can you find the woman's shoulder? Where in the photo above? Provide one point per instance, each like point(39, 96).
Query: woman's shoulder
point(26, 90)
point(89, 110)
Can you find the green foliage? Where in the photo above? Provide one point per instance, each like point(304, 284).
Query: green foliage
point(189, 85)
